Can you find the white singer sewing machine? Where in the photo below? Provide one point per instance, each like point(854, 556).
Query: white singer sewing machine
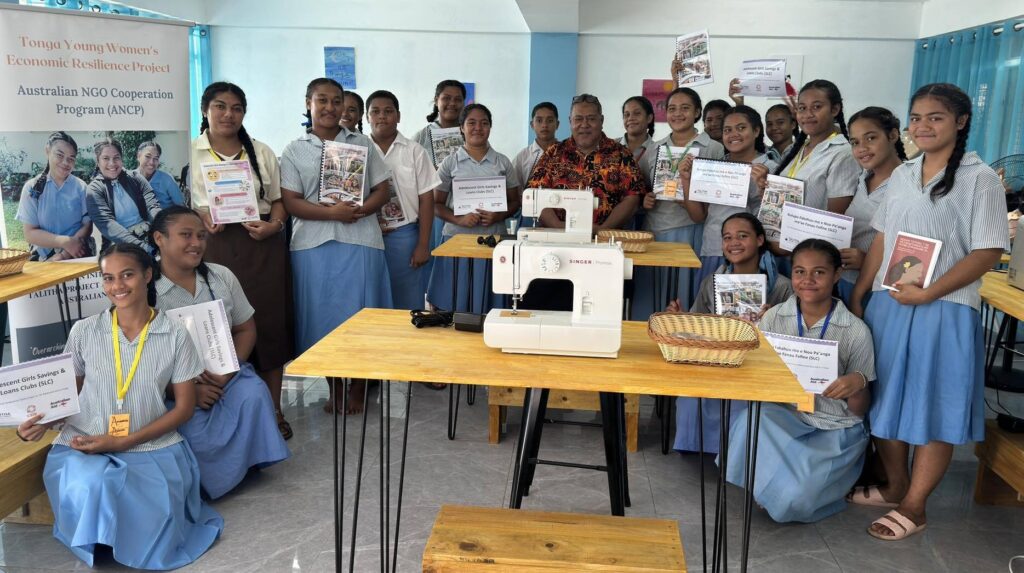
point(579, 207)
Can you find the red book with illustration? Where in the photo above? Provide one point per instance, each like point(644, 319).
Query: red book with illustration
point(912, 261)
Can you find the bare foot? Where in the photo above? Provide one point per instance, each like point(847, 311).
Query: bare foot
point(356, 393)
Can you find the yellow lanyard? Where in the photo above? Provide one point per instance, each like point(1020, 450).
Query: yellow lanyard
point(798, 163)
point(241, 155)
point(122, 384)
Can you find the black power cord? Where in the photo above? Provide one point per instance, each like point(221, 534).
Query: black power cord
point(425, 318)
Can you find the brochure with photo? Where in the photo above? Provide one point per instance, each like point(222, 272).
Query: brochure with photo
point(443, 142)
point(780, 190)
point(912, 261)
point(342, 173)
point(740, 296)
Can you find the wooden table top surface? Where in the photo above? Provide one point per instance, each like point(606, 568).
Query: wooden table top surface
point(658, 254)
point(38, 276)
point(999, 294)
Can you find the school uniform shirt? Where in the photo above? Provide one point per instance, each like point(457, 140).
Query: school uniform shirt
point(412, 174)
point(830, 172)
point(526, 159)
point(270, 171)
point(639, 152)
point(856, 354)
point(221, 284)
point(461, 165)
point(776, 154)
point(58, 210)
point(705, 301)
point(711, 245)
point(863, 209)
point(971, 216)
point(609, 171)
point(300, 172)
point(165, 188)
point(667, 215)
point(169, 357)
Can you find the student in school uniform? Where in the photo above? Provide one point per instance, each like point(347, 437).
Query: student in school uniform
point(670, 220)
point(119, 474)
point(413, 180)
point(928, 339)
point(638, 123)
point(743, 238)
point(352, 112)
point(781, 128)
point(713, 115)
point(806, 463)
point(337, 251)
point(121, 204)
point(165, 188)
point(53, 209)
point(474, 159)
point(875, 138)
point(544, 123)
point(234, 427)
point(256, 251)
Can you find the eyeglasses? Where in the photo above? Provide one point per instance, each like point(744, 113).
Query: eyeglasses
point(585, 98)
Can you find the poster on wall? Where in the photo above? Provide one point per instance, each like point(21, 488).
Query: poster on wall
point(67, 82)
point(340, 65)
point(470, 92)
point(657, 91)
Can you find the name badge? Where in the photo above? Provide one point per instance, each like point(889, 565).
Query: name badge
point(670, 187)
point(118, 425)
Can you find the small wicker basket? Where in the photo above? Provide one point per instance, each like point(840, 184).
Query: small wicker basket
point(12, 261)
point(704, 339)
point(632, 241)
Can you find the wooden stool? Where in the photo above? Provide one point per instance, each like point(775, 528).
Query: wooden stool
point(491, 539)
point(21, 479)
point(1000, 467)
point(499, 397)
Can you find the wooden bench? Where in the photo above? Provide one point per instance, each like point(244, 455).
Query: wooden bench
point(500, 397)
point(507, 540)
point(1000, 467)
point(22, 496)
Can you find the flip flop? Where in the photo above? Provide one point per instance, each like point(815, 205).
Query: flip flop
point(284, 427)
point(870, 496)
point(900, 521)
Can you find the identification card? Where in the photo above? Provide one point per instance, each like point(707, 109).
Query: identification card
point(118, 425)
point(670, 188)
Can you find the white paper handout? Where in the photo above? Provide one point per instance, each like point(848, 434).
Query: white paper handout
point(45, 386)
point(780, 190)
point(207, 324)
point(763, 78)
point(443, 142)
point(800, 222)
point(342, 173)
point(230, 192)
point(740, 296)
point(720, 182)
point(814, 362)
point(484, 193)
point(693, 51)
point(665, 182)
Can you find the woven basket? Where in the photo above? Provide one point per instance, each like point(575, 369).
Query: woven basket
point(12, 261)
point(708, 339)
point(632, 241)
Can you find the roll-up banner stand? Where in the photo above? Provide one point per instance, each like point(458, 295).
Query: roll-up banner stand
point(93, 76)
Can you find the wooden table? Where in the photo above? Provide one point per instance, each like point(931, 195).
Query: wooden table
point(448, 356)
point(998, 295)
point(38, 276)
point(1000, 478)
point(21, 470)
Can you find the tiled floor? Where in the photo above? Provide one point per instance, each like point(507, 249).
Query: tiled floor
point(281, 519)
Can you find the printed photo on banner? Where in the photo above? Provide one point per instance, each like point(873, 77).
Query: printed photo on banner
point(342, 170)
point(694, 54)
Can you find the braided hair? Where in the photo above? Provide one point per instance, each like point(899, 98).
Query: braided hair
point(212, 91)
point(648, 108)
point(362, 109)
point(160, 225)
point(885, 120)
point(835, 98)
point(432, 116)
point(40, 183)
point(755, 122)
point(142, 257)
point(959, 104)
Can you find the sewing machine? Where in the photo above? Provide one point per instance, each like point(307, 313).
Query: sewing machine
point(579, 205)
point(592, 328)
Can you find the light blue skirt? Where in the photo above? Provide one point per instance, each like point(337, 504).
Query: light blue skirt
point(332, 282)
point(644, 280)
point(803, 473)
point(439, 293)
point(144, 505)
point(930, 362)
point(237, 433)
point(407, 284)
point(687, 430)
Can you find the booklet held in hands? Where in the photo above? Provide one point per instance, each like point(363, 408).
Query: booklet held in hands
point(800, 222)
point(46, 386)
point(207, 325)
point(720, 182)
point(342, 173)
point(912, 261)
point(815, 363)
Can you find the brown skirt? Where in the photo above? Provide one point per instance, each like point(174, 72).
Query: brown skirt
point(264, 270)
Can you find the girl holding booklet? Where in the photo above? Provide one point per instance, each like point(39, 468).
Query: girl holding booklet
point(255, 251)
point(120, 203)
point(119, 474)
point(875, 137)
point(474, 159)
point(743, 240)
point(337, 249)
point(234, 426)
point(928, 337)
point(806, 463)
point(669, 219)
point(638, 121)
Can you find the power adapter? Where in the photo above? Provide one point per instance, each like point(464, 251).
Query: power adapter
point(1010, 424)
point(469, 321)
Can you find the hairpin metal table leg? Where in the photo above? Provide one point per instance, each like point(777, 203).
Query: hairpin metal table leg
point(753, 411)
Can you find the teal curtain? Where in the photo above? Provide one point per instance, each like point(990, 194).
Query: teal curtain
point(986, 63)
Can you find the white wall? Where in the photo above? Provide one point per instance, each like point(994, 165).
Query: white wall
point(273, 66)
point(939, 16)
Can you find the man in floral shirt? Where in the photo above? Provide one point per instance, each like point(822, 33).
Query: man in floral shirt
point(590, 159)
